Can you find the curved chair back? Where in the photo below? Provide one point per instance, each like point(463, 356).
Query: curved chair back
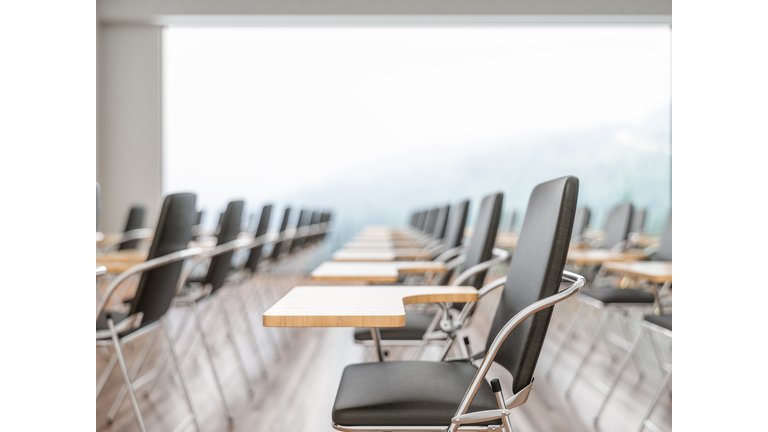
point(422, 219)
point(441, 222)
point(325, 217)
point(230, 228)
point(638, 221)
point(617, 225)
point(172, 234)
point(414, 219)
point(665, 246)
point(314, 220)
point(429, 225)
point(513, 221)
point(535, 273)
point(135, 221)
point(278, 246)
point(254, 257)
point(580, 222)
point(484, 237)
point(455, 232)
point(303, 221)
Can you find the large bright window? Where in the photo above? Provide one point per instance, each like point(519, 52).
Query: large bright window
point(376, 122)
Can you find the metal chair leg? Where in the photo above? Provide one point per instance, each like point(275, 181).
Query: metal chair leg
point(251, 333)
point(645, 422)
point(182, 378)
point(591, 348)
point(622, 368)
point(126, 377)
point(137, 364)
point(568, 335)
point(238, 356)
point(105, 375)
point(209, 355)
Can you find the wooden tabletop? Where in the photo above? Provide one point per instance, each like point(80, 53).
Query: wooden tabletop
point(345, 306)
point(115, 267)
point(380, 244)
point(379, 254)
point(132, 256)
point(386, 272)
point(654, 271)
point(599, 256)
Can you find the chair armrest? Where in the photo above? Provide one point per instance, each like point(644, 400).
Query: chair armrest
point(450, 253)
point(129, 323)
point(149, 265)
point(101, 271)
point(137, 234)
point(578, 282)
point(500, 256)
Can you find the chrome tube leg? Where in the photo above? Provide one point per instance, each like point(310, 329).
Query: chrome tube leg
point(105, 375)
point(446, 348)
point(137, 364)
point(182, 378)
point(156, 378)
point(209, 354)
point(238, 356)
point(622, 368)
point(655, 402)
point(568, 335)
point(591, 348)
point(376, 336)
point(636, 361)
point(502, 406)
point(657, 353)
point(268, 332)
point(252, 334)
point(126, 377)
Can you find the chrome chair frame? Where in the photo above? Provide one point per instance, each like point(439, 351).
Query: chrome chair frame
point(505, 405)
point(111, 337)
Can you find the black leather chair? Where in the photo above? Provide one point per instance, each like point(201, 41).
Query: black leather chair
point(206, 291)
point(638, 221)
point(299, 240)
point(135, 222)
point(441, 223)
point(255, 252)
point(156, 289)
point(278, 247)
point(419, 326)
point(580, 223)
point(435, 396)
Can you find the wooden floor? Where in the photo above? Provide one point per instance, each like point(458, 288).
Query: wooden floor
point(298, 393)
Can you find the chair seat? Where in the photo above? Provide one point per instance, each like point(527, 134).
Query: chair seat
point(416, 324)
point(618, 295)
point(664, 321)
point(407, 393)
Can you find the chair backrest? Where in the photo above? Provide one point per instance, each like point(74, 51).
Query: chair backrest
point(580, 221)
point(278, 246)
point(535, 273)
point(512, 221)
point(325, 217)
point(454, 234)
point(665, 246)
point(441, 222)
point(422, 219)
point(617, 225)
point(135, 221)
point(98, 204)
point(230, 228)
point(414, 219)
point(303, 221)
point(638, 221)
point(484, 237)
point(173, 233)
point(431, 222)
point(254, 256)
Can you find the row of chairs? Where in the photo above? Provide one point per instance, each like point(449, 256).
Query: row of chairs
point(168, 279)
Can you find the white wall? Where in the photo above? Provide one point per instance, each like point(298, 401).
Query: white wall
point(128, 151)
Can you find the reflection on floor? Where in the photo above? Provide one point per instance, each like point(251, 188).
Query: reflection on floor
point(299, 391)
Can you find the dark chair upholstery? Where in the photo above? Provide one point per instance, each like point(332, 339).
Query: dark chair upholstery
point(535, 273)
point(157, 287)
point(454, 234)
point(663, 321)
point(303, 221)
point(230, 228)
point(278, 246)
point(314, 220)
point(617, 225)
point(325, 217)
point(580, 222)
point(429, 393)
point(665, 246)
point(422, 220)
point(512, 221)
point(638, 221)
point(135, 221)
point(484, 237)
point(254, 256)
point(414, 219)
point(618, 295)
point(431, 222)
point(441, 222)
point(409, 393)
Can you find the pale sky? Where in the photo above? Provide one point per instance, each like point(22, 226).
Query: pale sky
point(261, 112)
